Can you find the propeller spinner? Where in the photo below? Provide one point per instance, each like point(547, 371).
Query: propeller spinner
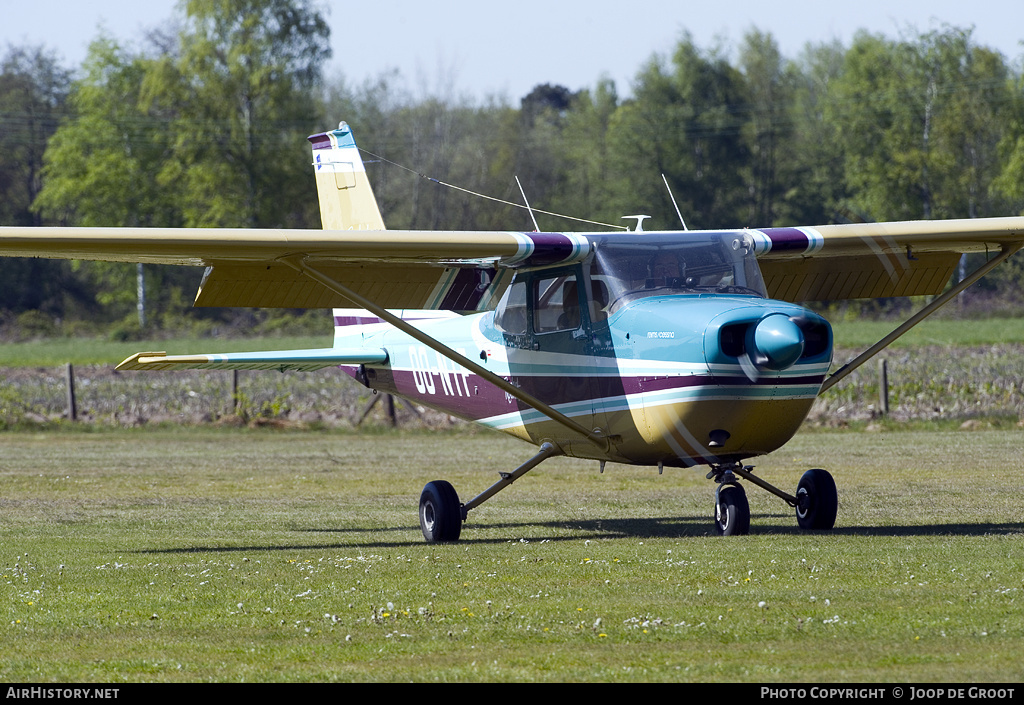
point(774, 343)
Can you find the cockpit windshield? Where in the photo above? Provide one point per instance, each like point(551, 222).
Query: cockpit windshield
point(654, 264)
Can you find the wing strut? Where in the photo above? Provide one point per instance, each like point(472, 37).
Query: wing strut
point(298, 263)
point(928, 310)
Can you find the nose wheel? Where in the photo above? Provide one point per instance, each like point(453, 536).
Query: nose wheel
point(732, 511)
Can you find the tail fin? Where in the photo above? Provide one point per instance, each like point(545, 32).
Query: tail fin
point(346, 199)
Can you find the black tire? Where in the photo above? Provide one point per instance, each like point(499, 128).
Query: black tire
point(440, 512)
point(732, 513)
point(817, 501)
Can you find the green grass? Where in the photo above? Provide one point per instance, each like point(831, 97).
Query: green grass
point(932, 331)
point(203, 554)
point(848, 334)
point(88, 351)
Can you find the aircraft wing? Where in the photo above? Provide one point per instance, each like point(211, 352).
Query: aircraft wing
point(469, 270)
point(282, 360)
point(874, 260)
point(397, 269)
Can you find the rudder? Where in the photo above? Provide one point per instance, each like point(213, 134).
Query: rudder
point(346, 198)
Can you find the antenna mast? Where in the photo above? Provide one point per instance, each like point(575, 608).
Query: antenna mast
point(535, 227)
point(674, 204)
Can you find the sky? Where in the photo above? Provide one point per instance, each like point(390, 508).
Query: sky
point(478, 49)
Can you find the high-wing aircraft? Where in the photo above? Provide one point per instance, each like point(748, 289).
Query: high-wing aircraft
point(680, 349)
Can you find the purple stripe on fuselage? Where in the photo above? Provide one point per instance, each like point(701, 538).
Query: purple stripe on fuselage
point(657, 384)
point(355, 320)
point(467, 397)
point(636, 385)
point(784, 239)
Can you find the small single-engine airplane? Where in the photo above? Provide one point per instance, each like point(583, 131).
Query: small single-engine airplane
point(649, 348)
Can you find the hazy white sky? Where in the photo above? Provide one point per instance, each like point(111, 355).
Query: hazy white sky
point(481, 48)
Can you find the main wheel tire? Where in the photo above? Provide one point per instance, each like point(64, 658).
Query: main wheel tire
point(817, 501)
point(440, 512)
point(732, 512)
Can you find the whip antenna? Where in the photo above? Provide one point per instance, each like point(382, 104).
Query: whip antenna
point(527, 202)
point(383, 160)
point(674, 204)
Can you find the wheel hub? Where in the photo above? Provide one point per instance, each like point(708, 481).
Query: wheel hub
point(803, 502)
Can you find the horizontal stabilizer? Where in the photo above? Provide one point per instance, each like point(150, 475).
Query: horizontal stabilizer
point(281, 360)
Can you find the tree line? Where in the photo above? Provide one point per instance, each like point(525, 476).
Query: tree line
point(202, 123)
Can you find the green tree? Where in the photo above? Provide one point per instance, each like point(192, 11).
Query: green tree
point(242, 87)
point(768, 127)
point(590, 177)
point(920, 120)
point(33, 99)
point(684, 122)
point(1010, 181)
point(813, 184)
point(34, 90)
point(101, 166)
point(208, 129)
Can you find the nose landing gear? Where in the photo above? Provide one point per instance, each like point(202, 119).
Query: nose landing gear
point(732, 511)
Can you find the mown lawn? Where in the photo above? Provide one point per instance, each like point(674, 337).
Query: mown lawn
point(95, 351)
point(229, 555)
point(848, 334)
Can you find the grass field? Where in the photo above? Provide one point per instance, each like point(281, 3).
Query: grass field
point(932, 331)
point(848, 334)
point(228, 555)
point(90, 351)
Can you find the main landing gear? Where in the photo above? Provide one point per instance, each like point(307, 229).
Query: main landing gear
point(816, 501)
point(441, 514)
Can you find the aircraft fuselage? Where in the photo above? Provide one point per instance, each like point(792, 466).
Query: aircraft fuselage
point(663, 375)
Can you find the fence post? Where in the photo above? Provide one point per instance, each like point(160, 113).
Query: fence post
point(391, 410)
point(69, 379)
point(883, 388)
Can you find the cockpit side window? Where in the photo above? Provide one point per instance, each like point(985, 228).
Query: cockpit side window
point(599, 301)
point(511, 313)
point(543, 302)
point(557, 304)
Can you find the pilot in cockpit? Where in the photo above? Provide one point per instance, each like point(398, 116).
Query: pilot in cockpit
point(666, 270)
